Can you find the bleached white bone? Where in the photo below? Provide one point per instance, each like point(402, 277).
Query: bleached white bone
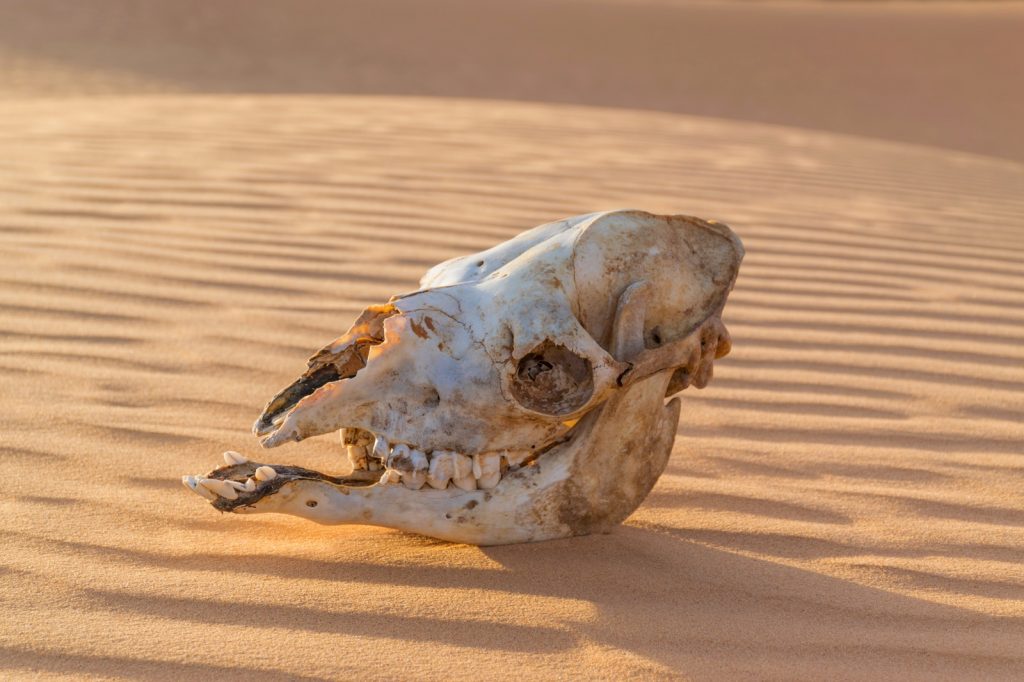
point(559, 347)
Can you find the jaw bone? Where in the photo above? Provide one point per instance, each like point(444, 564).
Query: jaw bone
point(570, 424)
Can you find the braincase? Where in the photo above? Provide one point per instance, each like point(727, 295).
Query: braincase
point(477, 266)
point(690, 262)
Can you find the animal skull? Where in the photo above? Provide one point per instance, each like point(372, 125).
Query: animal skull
point(518, 395)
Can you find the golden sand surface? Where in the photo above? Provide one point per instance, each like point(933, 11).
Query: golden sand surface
point(844, 501)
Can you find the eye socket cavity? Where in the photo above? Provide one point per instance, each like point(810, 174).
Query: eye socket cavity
point(552, 380)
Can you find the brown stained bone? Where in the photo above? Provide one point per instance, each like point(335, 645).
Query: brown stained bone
point(554, 351)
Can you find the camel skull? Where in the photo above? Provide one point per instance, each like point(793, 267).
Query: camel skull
point(518, 395)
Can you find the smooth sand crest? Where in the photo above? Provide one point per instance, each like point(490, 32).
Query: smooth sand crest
point(844, 501)
point(945, 74)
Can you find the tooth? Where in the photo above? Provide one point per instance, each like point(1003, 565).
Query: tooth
point(373, 464)
point(516, 457)
point(231, 458)
point(463, 477)
point(442, 468)
point(265, 473)
point(417, 476)
point(193, 485)
point(356, 456)
point(487, 469)
point(381, 448)
point(399, 457)
point(390, 476)
point(219, 487)
point(246, 487)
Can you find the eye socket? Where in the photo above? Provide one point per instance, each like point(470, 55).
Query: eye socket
point(533, 366)
point(553, 380)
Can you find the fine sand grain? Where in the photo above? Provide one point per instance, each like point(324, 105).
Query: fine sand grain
point(845, 501)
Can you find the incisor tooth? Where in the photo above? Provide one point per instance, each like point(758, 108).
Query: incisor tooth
point(231, 458)
point(463, 477)
point(222, 488)
point(487, 469)
point(265, 473)
point(192, 484)
point(246, 487)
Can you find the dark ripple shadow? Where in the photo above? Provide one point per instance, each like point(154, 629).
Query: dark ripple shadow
point(739, 504)
point(76, 665)
point(443, 629)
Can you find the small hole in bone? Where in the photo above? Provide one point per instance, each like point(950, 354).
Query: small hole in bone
point(479, 263)
point(311, 503)
point(656, 336)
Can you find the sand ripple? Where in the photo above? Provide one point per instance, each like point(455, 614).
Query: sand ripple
point(847, 495)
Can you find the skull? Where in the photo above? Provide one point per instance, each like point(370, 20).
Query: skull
point(518, 395)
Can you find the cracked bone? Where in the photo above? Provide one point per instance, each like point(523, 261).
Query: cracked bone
point(562, 348)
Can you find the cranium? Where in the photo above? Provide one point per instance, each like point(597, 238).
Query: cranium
point(518, 395)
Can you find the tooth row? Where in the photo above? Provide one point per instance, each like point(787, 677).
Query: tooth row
point(213, 488)
point(415, 469)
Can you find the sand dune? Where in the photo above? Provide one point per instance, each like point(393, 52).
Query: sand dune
point(844, 501)
point(944, 74)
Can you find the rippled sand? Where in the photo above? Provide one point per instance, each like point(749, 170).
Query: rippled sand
point(844, 501)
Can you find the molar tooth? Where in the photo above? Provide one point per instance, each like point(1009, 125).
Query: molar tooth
point(516, 457)
point(417, 476)
point(381, 448)
point(265, 473)
point(463, 477)
point(442, 468)
point(219, 487)
point(487, 469)
point(231, 458)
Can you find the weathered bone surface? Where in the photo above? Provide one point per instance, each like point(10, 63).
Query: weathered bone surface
point(518, 395)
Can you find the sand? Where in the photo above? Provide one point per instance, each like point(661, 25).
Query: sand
point(844, 501)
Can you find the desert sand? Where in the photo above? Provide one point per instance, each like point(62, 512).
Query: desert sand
point(844, 501)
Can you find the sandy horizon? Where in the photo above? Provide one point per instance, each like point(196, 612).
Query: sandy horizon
point(844, 501)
